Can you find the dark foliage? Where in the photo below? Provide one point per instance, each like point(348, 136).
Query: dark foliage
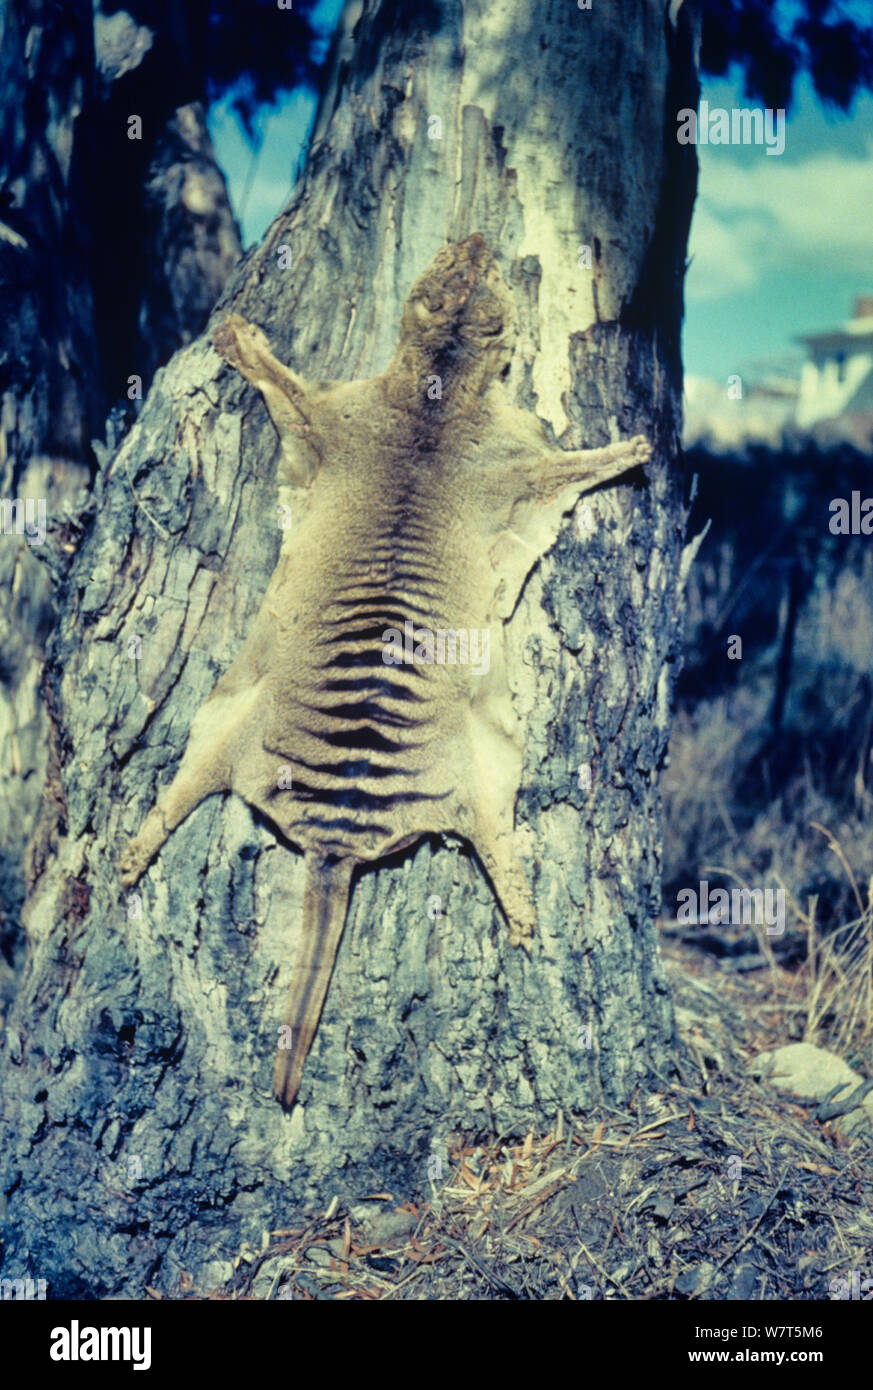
point(773, 42)
point(256, 51)
point(211, 47)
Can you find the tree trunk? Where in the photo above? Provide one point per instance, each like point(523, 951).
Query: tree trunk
point(78, 199)
point(51, 397)
point(141, 1139)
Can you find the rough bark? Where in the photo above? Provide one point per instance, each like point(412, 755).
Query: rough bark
point(77, 196)
point(140, 1137)
point(51, 400)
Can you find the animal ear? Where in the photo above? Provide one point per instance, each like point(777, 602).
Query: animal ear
point(287, 396)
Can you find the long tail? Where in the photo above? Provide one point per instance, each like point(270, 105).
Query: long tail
point(325, 902)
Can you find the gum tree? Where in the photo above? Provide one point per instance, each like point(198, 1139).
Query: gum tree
point(141, 1139)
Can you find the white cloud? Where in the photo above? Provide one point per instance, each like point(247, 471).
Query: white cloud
point(721, 262)
point(810, 215)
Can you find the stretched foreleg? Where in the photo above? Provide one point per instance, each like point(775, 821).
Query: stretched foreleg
point(585, 468)
point(206, 768)
point(286, 395)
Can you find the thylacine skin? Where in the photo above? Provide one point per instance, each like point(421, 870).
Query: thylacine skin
point(414, 502)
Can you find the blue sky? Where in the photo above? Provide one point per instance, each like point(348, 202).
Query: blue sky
point(779, 245)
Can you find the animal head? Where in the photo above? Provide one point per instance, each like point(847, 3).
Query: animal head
point(459, 318)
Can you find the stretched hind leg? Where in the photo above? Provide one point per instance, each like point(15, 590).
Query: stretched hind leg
point(217, 732)
point(496, 761)
point(495, 846)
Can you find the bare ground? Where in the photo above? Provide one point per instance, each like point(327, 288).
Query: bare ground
point(715, 1187)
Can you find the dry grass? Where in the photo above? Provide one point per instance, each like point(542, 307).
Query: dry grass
point(835, 983)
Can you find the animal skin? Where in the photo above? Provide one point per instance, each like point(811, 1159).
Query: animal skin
point(422, 500)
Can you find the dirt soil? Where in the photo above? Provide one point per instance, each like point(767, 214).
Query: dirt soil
point(714, 1187)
